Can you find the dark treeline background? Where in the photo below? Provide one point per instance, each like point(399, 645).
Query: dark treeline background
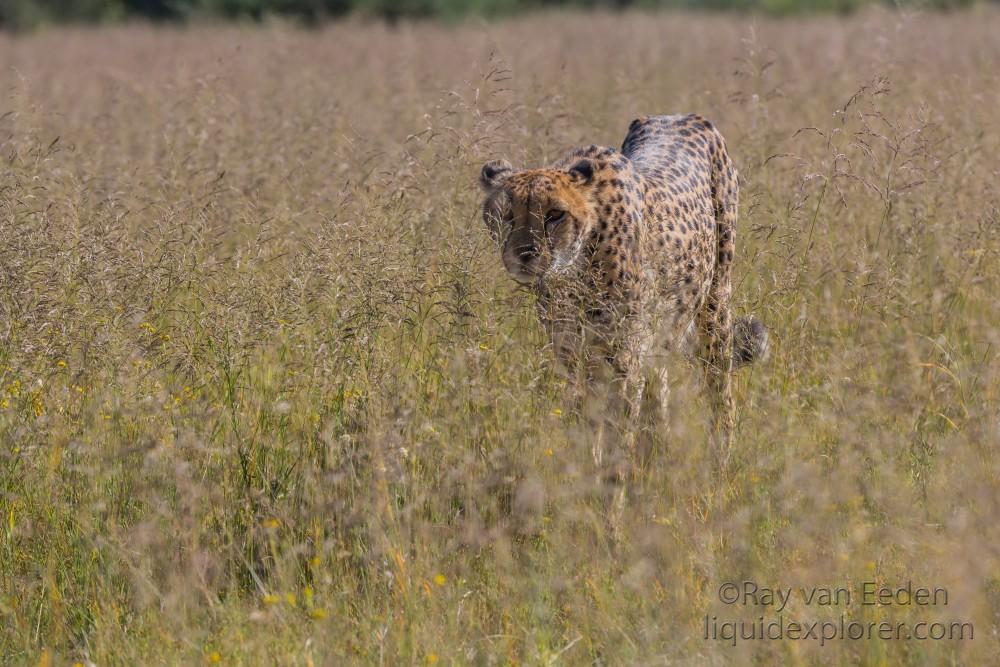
point(23, 14)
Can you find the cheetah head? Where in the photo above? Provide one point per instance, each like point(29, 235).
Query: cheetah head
point(538, 217)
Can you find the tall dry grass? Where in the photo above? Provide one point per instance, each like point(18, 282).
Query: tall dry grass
point(266, 396)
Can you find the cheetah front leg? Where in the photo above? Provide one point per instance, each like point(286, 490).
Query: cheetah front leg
point(612, 407)
point(626, 391)
point(654, 415)
point(615, 442)
point(606, 366)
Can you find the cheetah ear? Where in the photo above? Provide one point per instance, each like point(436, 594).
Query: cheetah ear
point(494, 172)
point(582, 172)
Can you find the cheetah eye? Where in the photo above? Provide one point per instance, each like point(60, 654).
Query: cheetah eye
point(554, 217)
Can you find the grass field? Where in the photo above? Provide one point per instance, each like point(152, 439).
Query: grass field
point(267, 396)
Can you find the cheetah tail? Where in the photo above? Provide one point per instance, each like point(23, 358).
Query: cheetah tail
point(750, 342)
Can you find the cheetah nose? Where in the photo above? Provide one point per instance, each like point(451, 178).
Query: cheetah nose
point(526, 253)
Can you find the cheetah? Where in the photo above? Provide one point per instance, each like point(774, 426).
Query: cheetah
point(630, 252)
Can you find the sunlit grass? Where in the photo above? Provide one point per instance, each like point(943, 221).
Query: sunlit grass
point(266, 396)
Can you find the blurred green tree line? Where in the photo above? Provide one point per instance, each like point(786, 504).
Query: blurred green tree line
point(25, 14)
